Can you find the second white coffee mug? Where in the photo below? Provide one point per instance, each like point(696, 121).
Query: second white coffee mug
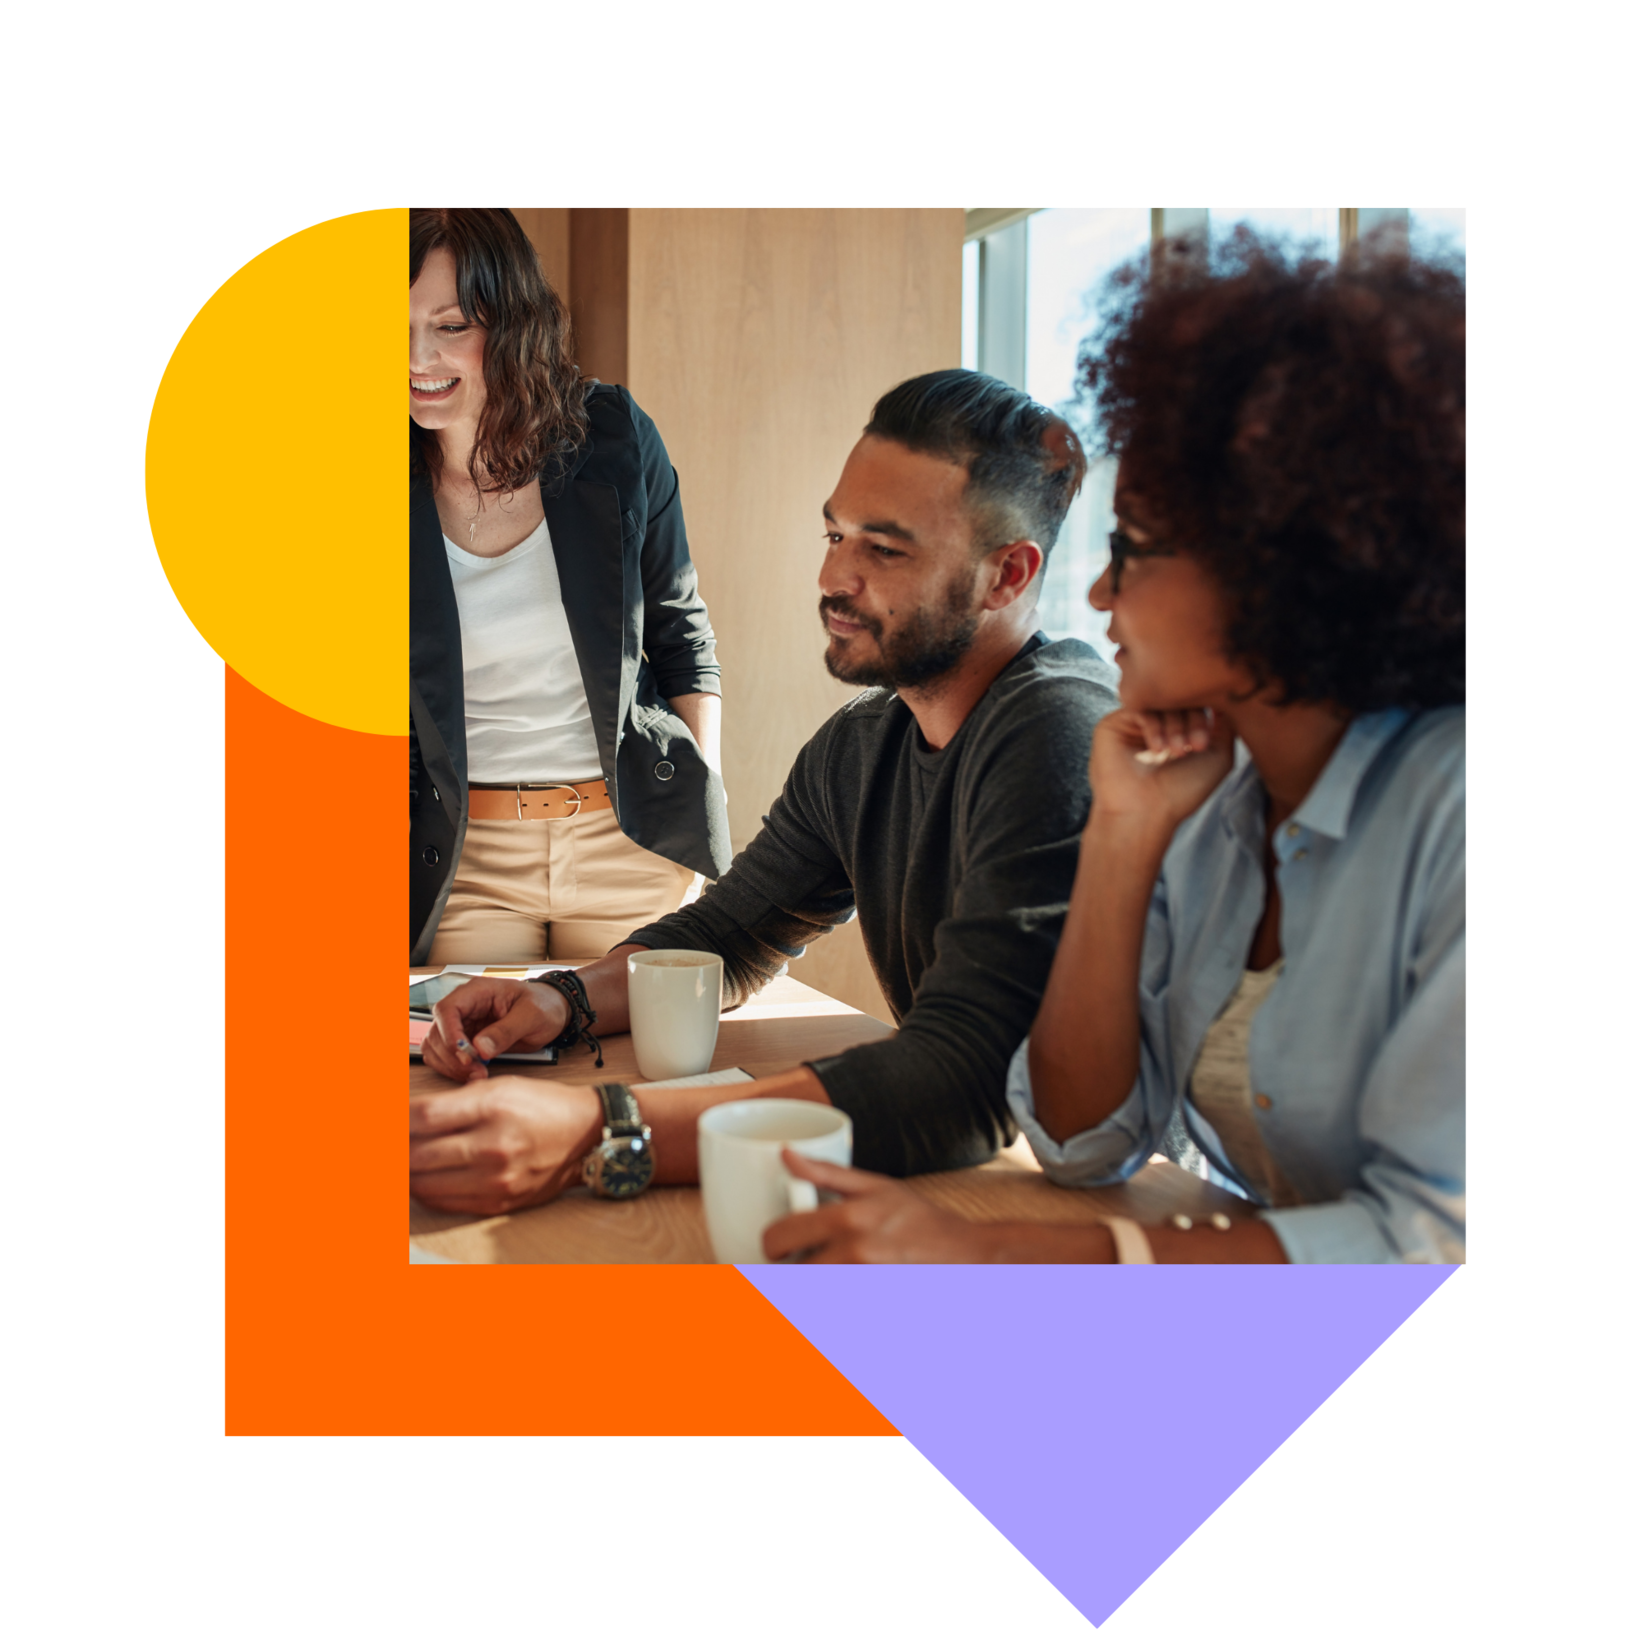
point(739, 1157)
point(673, 1010)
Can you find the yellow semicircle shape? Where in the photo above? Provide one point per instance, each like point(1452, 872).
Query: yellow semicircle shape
point(275, 473)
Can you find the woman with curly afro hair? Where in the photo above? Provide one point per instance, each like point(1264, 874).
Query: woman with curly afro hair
point(1265, 944)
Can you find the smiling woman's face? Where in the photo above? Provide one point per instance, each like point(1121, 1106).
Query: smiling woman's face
point(447, 350)
point(1167, 618)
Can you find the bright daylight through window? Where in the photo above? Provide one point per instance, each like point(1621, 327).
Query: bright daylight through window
point(1030, 282)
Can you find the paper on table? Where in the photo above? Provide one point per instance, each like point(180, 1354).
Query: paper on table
point(526, 971)
point(725, 1076)
point(435, 987)
point(548, 1056)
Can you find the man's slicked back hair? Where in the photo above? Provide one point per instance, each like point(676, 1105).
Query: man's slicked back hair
point(1025, 464)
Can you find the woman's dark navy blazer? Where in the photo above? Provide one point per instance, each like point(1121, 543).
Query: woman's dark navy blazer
point(641, 634)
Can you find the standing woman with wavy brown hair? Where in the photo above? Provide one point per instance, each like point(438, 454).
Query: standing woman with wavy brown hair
point(564, 692)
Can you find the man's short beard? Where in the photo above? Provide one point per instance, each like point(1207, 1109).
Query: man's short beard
point(929, 644)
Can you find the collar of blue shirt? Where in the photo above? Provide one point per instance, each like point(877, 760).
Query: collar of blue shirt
point(1328, 806)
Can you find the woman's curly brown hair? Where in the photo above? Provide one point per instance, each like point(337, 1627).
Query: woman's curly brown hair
point(534, 419)
point(1299, 426)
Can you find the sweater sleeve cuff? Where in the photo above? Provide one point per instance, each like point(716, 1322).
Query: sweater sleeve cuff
point(1107, 1153)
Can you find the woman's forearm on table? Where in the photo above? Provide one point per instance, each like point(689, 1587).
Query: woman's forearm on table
point(1085, 1047)
point(1245, 1242)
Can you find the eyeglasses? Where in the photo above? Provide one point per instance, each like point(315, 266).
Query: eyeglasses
point(1120, 548)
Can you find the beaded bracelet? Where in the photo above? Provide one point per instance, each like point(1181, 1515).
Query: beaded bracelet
point(583, 1015)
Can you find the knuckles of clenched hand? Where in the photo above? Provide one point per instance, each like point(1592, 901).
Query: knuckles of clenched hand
point(851, 1249)
point(501, 1147)
point(857, 1216)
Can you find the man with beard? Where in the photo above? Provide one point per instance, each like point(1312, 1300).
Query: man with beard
point(943, 805)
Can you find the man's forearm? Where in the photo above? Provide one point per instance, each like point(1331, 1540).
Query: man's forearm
point(672, 1115)
point(753, 938)
point(607, 983)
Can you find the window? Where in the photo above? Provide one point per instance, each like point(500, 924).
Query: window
point(1319, 223)
point(1030, 280)
point(1434, 228)
point(968, 315)
point(1069, 254)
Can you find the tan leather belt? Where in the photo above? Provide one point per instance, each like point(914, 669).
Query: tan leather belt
point(536, 801)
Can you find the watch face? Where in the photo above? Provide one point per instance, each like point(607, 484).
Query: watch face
point(626, 1167)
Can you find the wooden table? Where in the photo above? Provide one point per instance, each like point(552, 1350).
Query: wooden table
point(788, 1023)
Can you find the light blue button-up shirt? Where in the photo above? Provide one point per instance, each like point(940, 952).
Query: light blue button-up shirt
point(1359, 1046)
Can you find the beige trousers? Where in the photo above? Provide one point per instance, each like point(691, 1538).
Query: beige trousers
point(570, 889)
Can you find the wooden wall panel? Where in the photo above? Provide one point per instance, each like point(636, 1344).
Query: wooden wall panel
point(549, 230)
point(600, 293)
point(759, 341)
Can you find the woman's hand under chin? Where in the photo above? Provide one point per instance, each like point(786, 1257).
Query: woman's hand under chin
point(1158, 767)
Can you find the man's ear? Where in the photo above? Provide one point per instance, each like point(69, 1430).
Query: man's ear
point(1014, 567)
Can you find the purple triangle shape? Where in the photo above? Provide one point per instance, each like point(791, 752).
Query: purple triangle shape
point(1097, 1415)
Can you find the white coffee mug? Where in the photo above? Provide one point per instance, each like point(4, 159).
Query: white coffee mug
point(739, 1155)
point(673, 1010)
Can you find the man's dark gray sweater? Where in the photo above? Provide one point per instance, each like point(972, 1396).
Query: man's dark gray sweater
point(960, 861)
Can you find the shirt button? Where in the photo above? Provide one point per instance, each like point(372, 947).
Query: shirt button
point(1300, 855)
point(1264, 1102)
point(431, 856)
point(664, 770)
point(1293, 830)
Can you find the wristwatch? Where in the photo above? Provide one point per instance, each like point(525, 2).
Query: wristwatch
point(622, 1165)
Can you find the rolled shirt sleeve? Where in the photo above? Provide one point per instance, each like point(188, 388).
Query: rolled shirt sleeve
point(1113, 1150)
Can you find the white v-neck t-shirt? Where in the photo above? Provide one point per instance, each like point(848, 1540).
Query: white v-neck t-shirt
point(527, 713)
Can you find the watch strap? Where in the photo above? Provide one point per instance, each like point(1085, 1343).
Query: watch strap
point(621, 1110)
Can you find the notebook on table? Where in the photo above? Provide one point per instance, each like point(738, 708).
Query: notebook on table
point(428, 992)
